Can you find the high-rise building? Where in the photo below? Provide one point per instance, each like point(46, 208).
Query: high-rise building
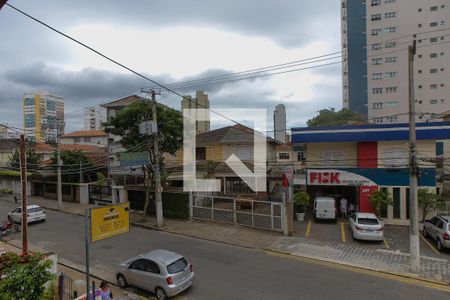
point(43, 115)
point(201, 101)
point(279, 123)
point(375, 36)
point(94, 117)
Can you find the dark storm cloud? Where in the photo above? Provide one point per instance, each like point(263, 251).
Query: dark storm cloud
point(289, 22)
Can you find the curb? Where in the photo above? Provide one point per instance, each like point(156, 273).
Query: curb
point(403, 275)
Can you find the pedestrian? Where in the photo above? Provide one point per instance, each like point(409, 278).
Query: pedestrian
point(351, 208)
point(343, 205)
point(106, 292)
point(15, 199)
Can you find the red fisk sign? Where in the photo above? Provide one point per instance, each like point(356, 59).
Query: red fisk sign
point(324, 177)
point(336, 177)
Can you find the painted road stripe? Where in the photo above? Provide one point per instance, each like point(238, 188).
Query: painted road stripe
point(404, 278)
point(343, 232)
point(308, 229)
point(386, 244)
point(429, 244)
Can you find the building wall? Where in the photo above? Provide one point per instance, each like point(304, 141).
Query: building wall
point(331, 155)
point(94, 141)
point(94, 117)
point(4, 158)
point(201, 101)
point(395, 153)
point(387, 67)
point(279, 123)
point(354, 69)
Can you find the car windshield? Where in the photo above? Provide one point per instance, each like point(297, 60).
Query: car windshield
point(34, 209)
point(368, 221)
point(177, 266)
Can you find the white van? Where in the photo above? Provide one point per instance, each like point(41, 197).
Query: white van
point(325, 208)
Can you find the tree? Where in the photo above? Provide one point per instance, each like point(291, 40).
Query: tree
point(23, 277)
point(428, 201)
point(170, 135)
point(71, 164)
point(33, 159)
point(380, 199)
point(330, 117)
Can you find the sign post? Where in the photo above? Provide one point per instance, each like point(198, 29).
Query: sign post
point(101, 223)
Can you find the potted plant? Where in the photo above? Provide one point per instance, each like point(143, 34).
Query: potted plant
point(301, 200)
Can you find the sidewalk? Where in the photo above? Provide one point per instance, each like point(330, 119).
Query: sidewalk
point(377, 260)
point(78, 277)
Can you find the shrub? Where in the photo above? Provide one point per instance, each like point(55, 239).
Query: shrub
point(379, 199)
point(301, 200)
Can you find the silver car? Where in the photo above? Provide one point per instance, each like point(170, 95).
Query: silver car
point(438, 228)
point(162, 272)
point(366, 226)
point(35, 214)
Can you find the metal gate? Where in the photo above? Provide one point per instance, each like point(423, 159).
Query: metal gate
point(66, 290)
point(252, 213)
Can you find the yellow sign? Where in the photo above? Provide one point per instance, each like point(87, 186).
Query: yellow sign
point(109, 221)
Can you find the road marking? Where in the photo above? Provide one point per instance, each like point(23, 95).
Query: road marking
point(429, 244)
point(386, 244)
point(308, 229)
point(343, 232)
point(403, 278)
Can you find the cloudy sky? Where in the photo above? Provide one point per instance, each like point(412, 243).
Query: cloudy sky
point(172, 41)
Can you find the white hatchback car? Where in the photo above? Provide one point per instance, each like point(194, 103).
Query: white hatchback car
point(35, 214)
point(366, 226)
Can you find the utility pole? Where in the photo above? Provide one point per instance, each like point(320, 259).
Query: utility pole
point(59, 163)
point(158, 188)
point(23, 179)
point(413, 169)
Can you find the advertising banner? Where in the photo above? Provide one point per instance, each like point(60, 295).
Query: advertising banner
point(109, 221)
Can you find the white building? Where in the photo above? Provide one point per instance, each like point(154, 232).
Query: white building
point(381, 39)
point(43, 115)
point(94, 117)
point(86, 137)
point(279, 123)
point(201, 101)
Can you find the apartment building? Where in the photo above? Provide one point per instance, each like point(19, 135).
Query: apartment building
point(94, 117)
point(200, 101)
point(390, 27)
point(279, 123)
point(43, 115)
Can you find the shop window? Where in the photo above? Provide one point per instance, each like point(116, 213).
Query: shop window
point(383, 208)
point(407, 203)
point(283, 155)
point(200, 153)
point(396, 205)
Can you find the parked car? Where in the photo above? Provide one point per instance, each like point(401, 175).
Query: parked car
point(35, 214)
point(325, 208)
point(366, 226)
point(438, 228)
point(162, 272)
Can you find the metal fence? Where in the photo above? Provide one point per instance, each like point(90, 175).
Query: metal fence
point(66, 287)
point(252, 213)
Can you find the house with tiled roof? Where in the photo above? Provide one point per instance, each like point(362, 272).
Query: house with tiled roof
point(86, 137)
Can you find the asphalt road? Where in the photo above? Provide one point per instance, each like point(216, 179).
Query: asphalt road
point(223, 271)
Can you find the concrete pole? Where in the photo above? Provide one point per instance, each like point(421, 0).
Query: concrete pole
point(59, 163)
point(413, 201)
point(158, 200)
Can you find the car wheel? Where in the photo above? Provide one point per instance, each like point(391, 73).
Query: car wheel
point(439, 245)
point(425, 233)
point(121, 281)
point(160, 294)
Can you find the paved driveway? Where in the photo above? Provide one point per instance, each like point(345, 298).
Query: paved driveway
point(396, 237)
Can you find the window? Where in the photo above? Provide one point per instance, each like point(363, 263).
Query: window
point(378, 120)
point(442, 23)
point(376, 31)
point(376, 17)
point(433, 40)
point(420, 86)
point(391, 89)
point(390, 14)
point(377, 76)
point(391, 74)
point(419, 10)
point(390, 44)
point(433, 8)
point(433, 24)
point(87, 139)
point(433, 101)
point(376, 61)
point(391, 103)
point(419, 25)
point(420, 55)
point(76, 140)
point(432, 71)
point(390, 29)
point(375, 2)
point(377, 105)
point(177, 266)
point(377, 90)
point(301, 156)
point(433, 55)
point(419, 71)
point(200, 153)
point(376, 46)
point(283, 155)
point(391, 119)
point(389, 1)
point(391, 59)
point(151, 267)
point(433, 86)
point(29, 101)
